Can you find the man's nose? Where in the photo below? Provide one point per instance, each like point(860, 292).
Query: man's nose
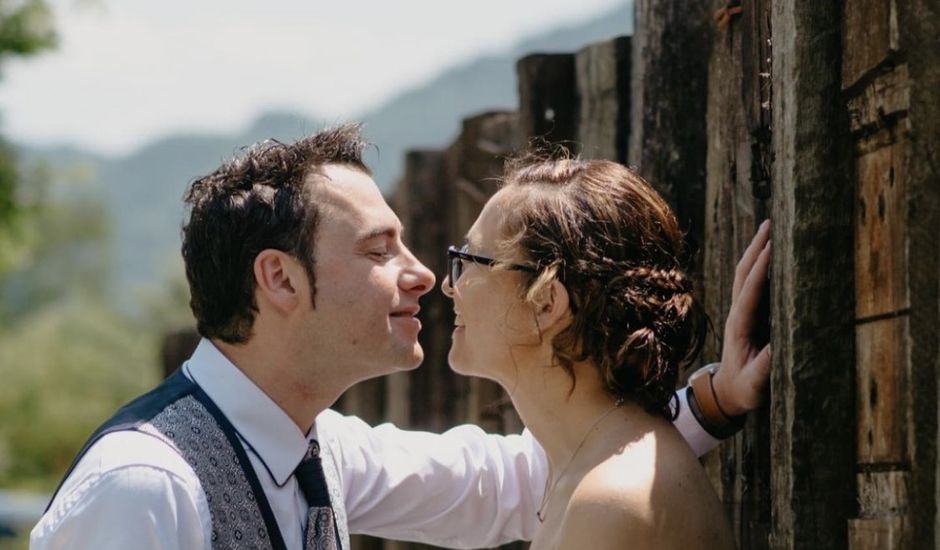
point(417, 277)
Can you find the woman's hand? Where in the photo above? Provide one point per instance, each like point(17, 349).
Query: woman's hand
point(741, 381)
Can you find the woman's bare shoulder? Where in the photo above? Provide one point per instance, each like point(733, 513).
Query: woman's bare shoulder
point(642, 499)
point(602, 517)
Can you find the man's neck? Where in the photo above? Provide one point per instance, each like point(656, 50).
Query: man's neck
point(299, 388)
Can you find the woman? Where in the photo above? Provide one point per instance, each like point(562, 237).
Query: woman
point(569, 294)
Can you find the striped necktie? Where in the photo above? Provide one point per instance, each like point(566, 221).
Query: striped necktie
point(321, 531)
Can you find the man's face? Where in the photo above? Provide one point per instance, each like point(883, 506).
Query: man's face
point(367, 282)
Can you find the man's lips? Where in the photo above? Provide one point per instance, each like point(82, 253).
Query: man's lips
point(406, 312)
point(407, 317)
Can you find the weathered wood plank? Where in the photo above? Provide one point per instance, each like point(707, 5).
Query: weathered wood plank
point(603, 76)
point(880, 234)
point(671, 46)
point(475, 163)
point(883, 494)
point(813, 395)
point(398, 398)
point(883, 505)
point(726, 221)
point(882, 402)
point(920, 43)
point(477, 155)
point(365, 400)
point(869, 37)
point(887, 533)
point(176, 348)
point(738, 166)
point(430, 395)
point(883, 101)
point(362, 542)
point(548, 97)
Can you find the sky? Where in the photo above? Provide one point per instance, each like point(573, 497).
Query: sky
point(129, 71)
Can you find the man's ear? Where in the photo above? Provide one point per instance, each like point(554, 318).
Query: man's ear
point(553, 309)
point(277, 279)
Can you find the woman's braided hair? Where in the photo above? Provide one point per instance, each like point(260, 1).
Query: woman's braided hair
point(615, 244)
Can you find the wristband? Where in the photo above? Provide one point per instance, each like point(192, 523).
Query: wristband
point(703, 402)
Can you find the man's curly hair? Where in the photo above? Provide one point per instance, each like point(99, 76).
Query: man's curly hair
point(615, 244)
point(260, 200)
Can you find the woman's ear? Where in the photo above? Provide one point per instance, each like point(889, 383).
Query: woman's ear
point(277, 281)
point(553, 308)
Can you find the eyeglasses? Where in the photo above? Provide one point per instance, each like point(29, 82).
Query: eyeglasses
point(456, 257)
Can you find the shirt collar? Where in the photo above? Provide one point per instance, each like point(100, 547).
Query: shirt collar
point(266, 428)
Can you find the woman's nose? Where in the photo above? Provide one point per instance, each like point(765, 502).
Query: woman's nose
point(446, 288)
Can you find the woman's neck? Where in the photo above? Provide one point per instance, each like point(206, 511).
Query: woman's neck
point(560, 417)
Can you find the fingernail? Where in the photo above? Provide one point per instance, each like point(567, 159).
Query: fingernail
point(765, 224)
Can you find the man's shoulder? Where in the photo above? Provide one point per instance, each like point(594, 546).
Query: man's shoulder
point(127, 477)
point(128, 454)
point(128, 448)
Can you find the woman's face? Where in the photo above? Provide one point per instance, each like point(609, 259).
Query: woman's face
point(493, 324)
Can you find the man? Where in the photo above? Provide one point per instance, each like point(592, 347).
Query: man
point(301, 287)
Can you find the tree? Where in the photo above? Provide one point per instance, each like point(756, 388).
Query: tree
point(25, 29)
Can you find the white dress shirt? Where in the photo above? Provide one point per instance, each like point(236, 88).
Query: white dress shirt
point(463, 488)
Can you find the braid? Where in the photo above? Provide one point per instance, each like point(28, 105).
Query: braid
point(673, 280)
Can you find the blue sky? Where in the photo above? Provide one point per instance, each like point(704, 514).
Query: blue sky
point(128, 71)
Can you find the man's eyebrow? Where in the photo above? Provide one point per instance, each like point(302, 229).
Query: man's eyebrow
point(388, 232)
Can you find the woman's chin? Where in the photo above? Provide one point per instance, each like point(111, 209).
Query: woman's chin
point(459, 362)
point(456, 362)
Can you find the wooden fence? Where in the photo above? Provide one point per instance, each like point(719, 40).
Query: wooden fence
point(824, 116)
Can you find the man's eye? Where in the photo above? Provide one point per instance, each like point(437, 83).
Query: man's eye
point(380, 254)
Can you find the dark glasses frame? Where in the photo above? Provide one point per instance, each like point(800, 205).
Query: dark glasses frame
point(456, 257)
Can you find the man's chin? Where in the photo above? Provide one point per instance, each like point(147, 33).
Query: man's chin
point(408, 359)
point(417, 356)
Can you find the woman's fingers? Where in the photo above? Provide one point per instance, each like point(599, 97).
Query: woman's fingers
point(752, 383)
point(744, 374)
point(760, 369)
point(749, 257)
point(744, 308)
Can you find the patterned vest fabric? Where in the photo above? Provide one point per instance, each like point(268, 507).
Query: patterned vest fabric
point(337, 498)
point(181, 414)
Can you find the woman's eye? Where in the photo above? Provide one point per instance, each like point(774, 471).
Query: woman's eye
point(380, 254)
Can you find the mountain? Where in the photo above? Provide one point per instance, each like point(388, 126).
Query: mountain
point(143, 190)
point(429, 115)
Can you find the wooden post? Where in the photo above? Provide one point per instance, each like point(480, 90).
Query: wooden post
point(603, 77)
point(667, 137)
point(548, 98)
point(812, 380)
point(176, 348)
point(738, 167)
point(919, 39)
point(878, 100)
point(891, 80)
point(475, 164)
point(423, 201)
